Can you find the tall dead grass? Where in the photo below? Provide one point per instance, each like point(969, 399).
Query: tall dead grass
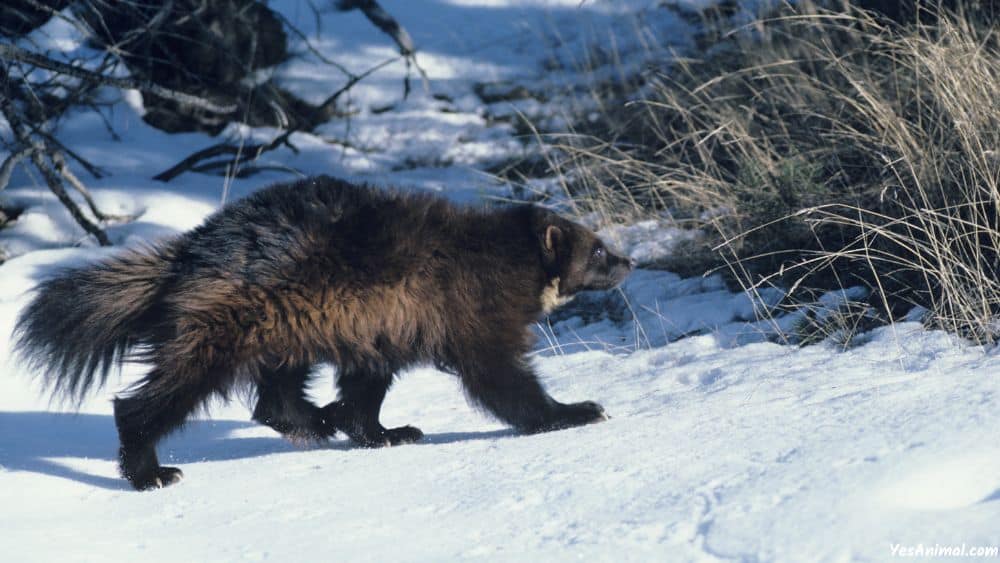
point(822, 149)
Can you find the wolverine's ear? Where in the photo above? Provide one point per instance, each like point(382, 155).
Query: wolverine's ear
point(553, 235)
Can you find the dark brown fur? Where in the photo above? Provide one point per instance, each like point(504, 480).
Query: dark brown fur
point(320, 271)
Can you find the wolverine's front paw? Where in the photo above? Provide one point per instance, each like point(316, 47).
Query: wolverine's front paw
point(159, 478)
point(573, 414)
point(363, 431)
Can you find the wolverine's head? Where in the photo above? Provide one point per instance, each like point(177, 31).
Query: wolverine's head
point(575, 259)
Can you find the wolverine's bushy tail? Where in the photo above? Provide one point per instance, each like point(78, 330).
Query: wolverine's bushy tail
point(83, 321)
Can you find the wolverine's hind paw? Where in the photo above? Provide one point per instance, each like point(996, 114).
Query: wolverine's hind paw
point(403, 435)
point(577, 414)
point(166, 476)
point(390, 437)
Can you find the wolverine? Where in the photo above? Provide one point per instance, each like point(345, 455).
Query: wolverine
point(317, 271)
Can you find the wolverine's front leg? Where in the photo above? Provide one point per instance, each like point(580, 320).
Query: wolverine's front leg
point(283, 405)
point(356, 413)
point(504, 383)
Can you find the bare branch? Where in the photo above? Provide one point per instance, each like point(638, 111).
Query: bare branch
point(57, 188)
point(57, 14)
point(23, 136)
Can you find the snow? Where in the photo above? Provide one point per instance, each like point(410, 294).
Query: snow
point(723, 444)
point(755, 452)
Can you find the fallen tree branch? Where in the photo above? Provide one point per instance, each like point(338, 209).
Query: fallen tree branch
point(14, 53)
point(195, 159)
point(378, 16)
point(194, 162)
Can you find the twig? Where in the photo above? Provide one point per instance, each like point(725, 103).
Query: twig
point(391, 27)
point(332, 99)
point(7, 168)
point(94, 170)
point(57, 188)
point(64, 170)
point(312, 49)
point(382, 20)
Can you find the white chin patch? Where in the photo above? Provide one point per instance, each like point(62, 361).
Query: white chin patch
point(551, 299)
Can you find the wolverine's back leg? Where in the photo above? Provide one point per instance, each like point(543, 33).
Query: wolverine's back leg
point(282, 404)
point(160, 403)
point(188, 368)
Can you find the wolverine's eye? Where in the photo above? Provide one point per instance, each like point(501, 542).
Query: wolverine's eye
point(598, 252)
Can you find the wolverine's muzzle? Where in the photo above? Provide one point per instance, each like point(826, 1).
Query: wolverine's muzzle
point(621, 267)
point(611, 274)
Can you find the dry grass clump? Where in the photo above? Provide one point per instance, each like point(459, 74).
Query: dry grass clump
point(822, 149)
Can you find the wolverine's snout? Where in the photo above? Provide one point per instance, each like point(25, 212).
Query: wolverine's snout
point(610, 272)
point(621, 267)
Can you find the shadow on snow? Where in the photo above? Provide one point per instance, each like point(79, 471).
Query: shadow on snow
point(37, 442)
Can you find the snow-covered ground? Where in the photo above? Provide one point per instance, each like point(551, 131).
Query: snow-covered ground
point(722, 445)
